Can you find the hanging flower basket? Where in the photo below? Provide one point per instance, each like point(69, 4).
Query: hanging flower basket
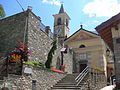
point(15, 58)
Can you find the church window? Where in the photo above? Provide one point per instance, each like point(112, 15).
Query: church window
point(59, 21)
point(83, 56)
point(66, 22)
point(82, 46)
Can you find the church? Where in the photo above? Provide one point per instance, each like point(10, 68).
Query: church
point(88, 47)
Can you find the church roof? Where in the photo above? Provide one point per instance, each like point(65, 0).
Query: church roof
point(61, 9)
point(79, 31)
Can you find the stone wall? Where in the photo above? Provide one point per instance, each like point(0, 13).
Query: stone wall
point(38, 40)
point(94, 81)
point(116, 44)
point(24, 27)
point(44, 79)
point(67, 60)
point(11, 30)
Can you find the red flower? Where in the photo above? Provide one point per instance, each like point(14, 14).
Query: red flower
point(13, 55)
point(19, 56)
point(118, 84)
point(62, 65)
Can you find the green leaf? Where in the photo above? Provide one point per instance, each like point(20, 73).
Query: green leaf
point(2, 12)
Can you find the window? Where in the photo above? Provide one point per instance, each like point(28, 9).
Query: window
point(59, 21)
point(66, 22)
point(82, 46)
point(83, 56)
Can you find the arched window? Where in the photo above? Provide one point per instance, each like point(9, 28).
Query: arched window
point(82, 46)
point(59, 21)
point(66, 22)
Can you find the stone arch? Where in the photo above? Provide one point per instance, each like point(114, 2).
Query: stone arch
point(82, 46)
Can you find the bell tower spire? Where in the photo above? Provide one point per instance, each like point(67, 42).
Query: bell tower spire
point(61, 9)
point(61, 25)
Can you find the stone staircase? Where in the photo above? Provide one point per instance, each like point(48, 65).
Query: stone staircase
point(68, 83)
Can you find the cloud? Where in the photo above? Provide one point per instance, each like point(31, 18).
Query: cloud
point(85, 25)
point(96, 21)
point(53, 2)
point(102, 8)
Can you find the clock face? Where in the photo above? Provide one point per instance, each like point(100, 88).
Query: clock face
point(58, 31)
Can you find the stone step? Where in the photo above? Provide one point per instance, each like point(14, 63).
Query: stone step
point(66, 84)
point(66, 88)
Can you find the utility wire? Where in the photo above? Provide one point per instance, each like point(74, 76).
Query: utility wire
point(20, 5)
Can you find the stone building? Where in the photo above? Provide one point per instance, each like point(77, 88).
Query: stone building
point(109, 31)
point(24, 27)
point(61, 25)
point(61, 32)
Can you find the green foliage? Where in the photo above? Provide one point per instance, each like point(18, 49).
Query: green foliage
point(2, 12)
point(50, 54)
point(39, 64)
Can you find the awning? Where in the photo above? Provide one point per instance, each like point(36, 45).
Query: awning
point(63, 49)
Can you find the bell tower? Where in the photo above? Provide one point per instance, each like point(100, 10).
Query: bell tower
point(61, 25)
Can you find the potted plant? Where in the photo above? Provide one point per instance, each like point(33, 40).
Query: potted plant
point(62, 67)
point(15, 58)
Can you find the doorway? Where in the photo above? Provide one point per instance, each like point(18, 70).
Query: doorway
point(82, 67)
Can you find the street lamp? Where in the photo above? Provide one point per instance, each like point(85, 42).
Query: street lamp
point(108, 52)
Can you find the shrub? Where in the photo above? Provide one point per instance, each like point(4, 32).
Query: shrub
point(50, 54)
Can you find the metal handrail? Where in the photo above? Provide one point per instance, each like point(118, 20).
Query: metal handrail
point(81, 73)
point(81, 76)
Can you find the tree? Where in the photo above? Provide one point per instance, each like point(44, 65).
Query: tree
point(2, 12)
point(50, 54)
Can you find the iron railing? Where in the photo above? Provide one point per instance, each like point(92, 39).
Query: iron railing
point(81, 76)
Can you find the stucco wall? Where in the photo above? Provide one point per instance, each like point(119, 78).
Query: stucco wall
point(95, 51)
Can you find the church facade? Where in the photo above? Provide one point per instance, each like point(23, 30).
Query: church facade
point(89, 50)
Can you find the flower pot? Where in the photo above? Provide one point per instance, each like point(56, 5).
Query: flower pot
point(15, 60)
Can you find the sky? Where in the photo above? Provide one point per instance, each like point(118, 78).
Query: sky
point(89, 13)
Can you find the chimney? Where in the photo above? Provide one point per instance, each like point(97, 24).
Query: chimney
point(29, 8)
point(47, 30)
